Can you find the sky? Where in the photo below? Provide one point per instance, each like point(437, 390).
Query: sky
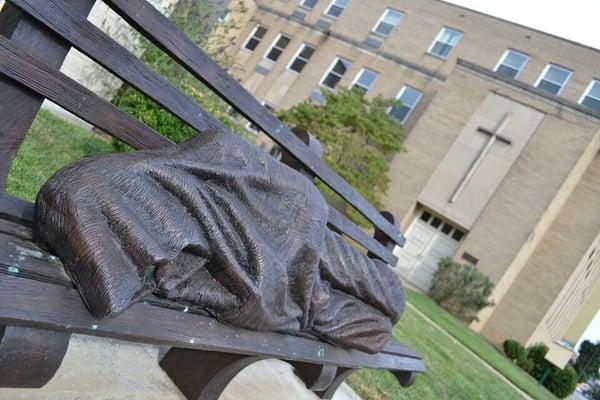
point(580, 21)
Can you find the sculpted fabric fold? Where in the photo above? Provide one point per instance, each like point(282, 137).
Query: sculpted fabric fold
point(216, 223)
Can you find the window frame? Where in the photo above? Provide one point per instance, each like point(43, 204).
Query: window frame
point(586, 93)
point(307, 7)
point(437, 39)
point(273, 45)
point(330, 70)
point(411, 109)
point(357, 77)
point(332, 4)
point(380, 20)
point(503, 58)
point(297, 56)
point(545, 71)
point(251, 36)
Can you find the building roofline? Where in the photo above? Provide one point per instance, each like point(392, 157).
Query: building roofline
point(573, 42)
point(472, 67)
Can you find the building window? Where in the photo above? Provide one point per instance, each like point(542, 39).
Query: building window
point(277, 48)
point(591, 96)
point(388, 22)
point(365, 80)
point(301, 59)
point(512, 63)
point(445, 41)
point(310, 4)
point(336, 72)
point(409, 98)
point(251, 126)
point(553, 79)
point(336, 8)
point(255, 37)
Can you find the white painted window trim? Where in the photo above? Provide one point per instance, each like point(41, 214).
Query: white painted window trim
point(588, 89)
point(251, 35)
point(411, 108)
point(329, 8)
point(297, 55)
point(556, 83)
point(503, 58)
point(387, 10)
point(438, 37)
point(362, 70)
point(306, 7)
point(330, 70)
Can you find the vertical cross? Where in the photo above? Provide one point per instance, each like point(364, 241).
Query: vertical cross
point(494, 134)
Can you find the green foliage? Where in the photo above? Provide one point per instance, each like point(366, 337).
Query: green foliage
point(195, 19)
point(562, 382)
point(460, 289)
point(536, 353)
point(514, 350)
point(588, 362)
point(526, 364)
point(357, 135)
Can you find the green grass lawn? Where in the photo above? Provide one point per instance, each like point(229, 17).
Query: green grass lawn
point(50, 144)
point(474, 342)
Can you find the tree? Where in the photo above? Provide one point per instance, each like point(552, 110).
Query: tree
point(357, 137)
point(588, 361)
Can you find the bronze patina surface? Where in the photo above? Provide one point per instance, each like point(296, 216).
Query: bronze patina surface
point(216, 223)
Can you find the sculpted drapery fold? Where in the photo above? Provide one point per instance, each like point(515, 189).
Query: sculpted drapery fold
point(216, 223)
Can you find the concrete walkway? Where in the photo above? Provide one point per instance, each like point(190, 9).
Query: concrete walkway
point(104, 369)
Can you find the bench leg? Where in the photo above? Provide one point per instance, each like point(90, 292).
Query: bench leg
point(203, 375)
point(405, 378)
point(30, 357)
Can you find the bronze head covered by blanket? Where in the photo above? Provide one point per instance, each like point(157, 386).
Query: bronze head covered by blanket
point(216, 223)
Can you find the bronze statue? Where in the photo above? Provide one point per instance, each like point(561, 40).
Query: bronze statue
point(216, 223)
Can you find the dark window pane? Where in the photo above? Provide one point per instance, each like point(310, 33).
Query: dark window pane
point(331, 80)
point(298, 65)
point(335, 11)
point(441, 49)
point(282, 42)
point(384, 28)
point(592, 103)
point(436, 222)
point(507, 71)
point(458, 235)
point(447, 228)
point(307, 52)
point(340, 67)
point(252, 43)
point(425, 216)
point(548, 87)
point(399, 113)
point(309, 3)
point(260, 32)
point(274, 54)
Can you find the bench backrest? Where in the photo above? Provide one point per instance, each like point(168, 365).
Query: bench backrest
point(35, 36)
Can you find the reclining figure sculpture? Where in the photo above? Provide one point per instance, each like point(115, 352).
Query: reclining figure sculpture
point(216, 223)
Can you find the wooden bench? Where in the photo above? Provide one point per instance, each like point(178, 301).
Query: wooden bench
point(40, 308)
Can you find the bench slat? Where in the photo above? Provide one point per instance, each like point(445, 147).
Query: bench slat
point(62, 310)
point(75, 98)
point(64, 91)
point(158, 29)
point(90, 40)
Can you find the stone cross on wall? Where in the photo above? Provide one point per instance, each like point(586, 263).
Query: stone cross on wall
point(494, 135)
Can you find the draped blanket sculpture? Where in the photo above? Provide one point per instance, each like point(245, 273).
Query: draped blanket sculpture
point(216, 223)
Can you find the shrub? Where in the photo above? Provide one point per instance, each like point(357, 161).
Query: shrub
point(526, 364)
point(514, 350)
point(536, 354)
point(562, 382)
point(461, 289)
